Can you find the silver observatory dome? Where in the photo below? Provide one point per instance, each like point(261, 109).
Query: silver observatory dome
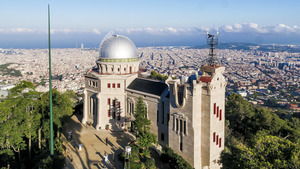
point(117, 47)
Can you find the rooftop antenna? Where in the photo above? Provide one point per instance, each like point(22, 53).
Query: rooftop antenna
point(212, 41)
point(50, 88)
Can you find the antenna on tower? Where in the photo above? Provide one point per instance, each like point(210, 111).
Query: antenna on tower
point(212, 41)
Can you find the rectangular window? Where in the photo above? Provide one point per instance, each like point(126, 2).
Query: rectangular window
point(114, 115)
point(176, 124)
point(162, 137)
point(128, 107)
point(132, 108)
point(180, 143)
point(163, 113)
point(108, 113)
point(215, 108)
point(157, 116)
point(184, 127)
point(181, 146)
point(217, 140)
point(118, 85)
point(91, 106)
point(220, 115)
point(220, 142)
point(113, 85)
point(218, 111)
point(214, 136)
point(180, 126)
point(108, 101)
point(108, 85)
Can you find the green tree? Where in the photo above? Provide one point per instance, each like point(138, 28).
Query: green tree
point(264, 153)
point(24, 124)
point(141, 157)
point(157, 76)
point(29, 106)
point(63, 107)
point(174, 160)
point(142, 125)
point(257, 137)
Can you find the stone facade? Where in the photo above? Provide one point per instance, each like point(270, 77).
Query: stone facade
point(187, 116)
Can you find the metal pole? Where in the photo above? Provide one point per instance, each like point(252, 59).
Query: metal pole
point(50, 88)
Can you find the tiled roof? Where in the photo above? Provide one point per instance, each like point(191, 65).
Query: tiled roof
point(205, 79)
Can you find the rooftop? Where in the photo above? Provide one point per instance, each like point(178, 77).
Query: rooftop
point(148, 86)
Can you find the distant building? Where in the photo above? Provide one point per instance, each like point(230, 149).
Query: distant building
point(242, 93)
point(4, 90)
point(186, 115)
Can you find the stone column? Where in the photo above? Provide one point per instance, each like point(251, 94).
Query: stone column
point(85, 107)
point(98, 114)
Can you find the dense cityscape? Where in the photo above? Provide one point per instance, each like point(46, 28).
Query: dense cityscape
point(266, 78)
point(150, 84)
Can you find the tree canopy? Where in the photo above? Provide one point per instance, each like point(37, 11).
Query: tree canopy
point(157, 76)
point(141, 157)
point(258, 138)
point(24, 125)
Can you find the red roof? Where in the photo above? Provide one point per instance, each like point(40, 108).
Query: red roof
point(205, 79)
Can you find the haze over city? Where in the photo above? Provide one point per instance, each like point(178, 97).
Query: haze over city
point(148, 23)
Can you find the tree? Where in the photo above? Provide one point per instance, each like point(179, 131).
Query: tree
point(174, 160)
point(63, 107)
point(265, 152)
point(238, 113)
point(158, 76)
point(24, 114)
point(257, 137)
point(140, 156)
point(142, 125)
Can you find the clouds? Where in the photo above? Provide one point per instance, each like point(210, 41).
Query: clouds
point(233, 28)
point(245, 27)
point(17, 30)
point(45, 31)
point(255, 28)
point(153, 36)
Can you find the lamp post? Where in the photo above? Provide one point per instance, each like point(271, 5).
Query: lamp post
point(127, 156)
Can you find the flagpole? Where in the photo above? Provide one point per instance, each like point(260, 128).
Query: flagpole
point(50, 88)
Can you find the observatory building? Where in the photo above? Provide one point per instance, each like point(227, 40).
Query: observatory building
point(186, 115)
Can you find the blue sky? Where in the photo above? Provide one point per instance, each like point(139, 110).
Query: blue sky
point(151, 20)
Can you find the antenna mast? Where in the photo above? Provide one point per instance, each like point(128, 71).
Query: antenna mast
point(212, 41)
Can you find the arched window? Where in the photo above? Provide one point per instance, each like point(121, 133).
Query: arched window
point(130, 106)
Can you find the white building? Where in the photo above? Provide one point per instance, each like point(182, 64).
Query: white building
point(186, 115)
